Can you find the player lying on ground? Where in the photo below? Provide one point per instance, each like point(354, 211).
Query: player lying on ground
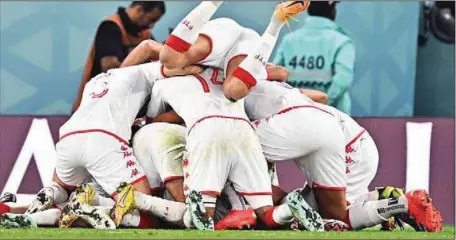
point(224, 44)
point(318, 146)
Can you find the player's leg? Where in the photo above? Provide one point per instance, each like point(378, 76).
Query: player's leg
point(116, 169)
point(207, 164)
point(362, 163)
point(162, 145)
point(252, 68)
point(251, 179)
point(325, 169)
point(186, 34)
point(67, 175)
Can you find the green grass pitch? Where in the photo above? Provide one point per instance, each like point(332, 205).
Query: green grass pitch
point(52, 233)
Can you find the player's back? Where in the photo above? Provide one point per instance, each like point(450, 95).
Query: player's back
point(196, 97)
point(349, 126)
point(111, 101)
point(270, 97)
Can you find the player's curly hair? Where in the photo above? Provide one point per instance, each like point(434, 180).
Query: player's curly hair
point(150, 5)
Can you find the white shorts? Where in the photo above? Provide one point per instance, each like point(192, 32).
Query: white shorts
point(361, 165)
point(159, 148)
point(221, 149)
point(311, 137)
point(103, 155)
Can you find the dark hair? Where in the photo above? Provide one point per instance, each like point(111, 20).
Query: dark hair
point(322, 8)
point(150, 5)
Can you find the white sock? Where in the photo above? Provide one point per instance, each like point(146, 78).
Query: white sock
point(274, 27)
point(169, 211)
point(103, 201)
point(190, 27)
point(60, 195)
point(371, 213)
point(49, 217)
point(370, 196)
point(256, 60)
point(282, 214)
point(187, 220)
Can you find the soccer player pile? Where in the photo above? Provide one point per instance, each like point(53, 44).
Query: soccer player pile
point(219, 118)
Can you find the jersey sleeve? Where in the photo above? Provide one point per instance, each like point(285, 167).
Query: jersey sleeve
point(152, 71)
point(157, 105)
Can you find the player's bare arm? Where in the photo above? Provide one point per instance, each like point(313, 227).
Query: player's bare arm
point(109, 62)
point(315, 95)
point(146, 50)
point(168, 117)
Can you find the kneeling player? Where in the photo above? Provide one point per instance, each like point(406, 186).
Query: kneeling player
point(317, 144)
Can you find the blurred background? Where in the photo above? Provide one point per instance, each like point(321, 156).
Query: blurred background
point(44, 46)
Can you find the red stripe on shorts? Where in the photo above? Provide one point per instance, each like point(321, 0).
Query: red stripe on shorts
point(317, 185)
point(303, 106)
point(94, 130)
point(355, 139)
point(219, 116)
point(131, 183)
point(255, 193)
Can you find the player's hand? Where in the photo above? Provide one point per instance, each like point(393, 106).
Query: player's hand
point(270, 65)
point(189, 70)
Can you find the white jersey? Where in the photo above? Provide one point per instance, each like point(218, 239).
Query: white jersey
point(270, 97)
point(349, 126)
point(194, 98)
point(112, 100)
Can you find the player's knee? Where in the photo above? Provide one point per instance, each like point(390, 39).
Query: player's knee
point(235, 89)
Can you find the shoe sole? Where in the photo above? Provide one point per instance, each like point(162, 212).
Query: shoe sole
point(303, 213)
point(10, 220)
point(198, 212)
point(95, 217)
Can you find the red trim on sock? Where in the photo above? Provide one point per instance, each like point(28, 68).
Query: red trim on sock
point(144, 221)
point(4, 208)
point(177, 44)
point(245, 77)
point(347, 219)
point(268, 219)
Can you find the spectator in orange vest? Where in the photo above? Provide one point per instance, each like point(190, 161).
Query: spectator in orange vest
point(117, 35)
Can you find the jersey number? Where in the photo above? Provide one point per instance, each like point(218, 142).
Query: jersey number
point(308, 62)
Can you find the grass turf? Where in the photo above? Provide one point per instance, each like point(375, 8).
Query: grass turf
point(52, 233)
